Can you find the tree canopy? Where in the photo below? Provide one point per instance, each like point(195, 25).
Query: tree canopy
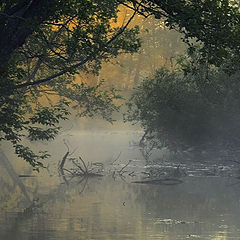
point(214, 24)
point(196, 106)
point(43, 44)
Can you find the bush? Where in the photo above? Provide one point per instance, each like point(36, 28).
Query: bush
point(194, 109)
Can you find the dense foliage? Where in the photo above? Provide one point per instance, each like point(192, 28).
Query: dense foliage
point(196, 106)
point(189, 109)
point(43, 44)
point(213, 23)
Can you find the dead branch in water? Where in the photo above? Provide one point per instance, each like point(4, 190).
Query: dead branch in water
point(61, 165)
point(78, 166)
point(86, 169)
point(68, 171)
point(132, 174)
point(81, 168)
point(121, 170)
point(164, 181)
point(116, 158)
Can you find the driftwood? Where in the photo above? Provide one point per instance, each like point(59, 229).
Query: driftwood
point(80, 167)
point(116, 158)
point(26, 176)
point(62, 163)
point(121, 170)
point(164, 181)
point(84, 169)
point(122, 173)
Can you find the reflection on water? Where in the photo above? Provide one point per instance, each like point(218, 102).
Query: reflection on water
point(198, 208)
point(107, 209)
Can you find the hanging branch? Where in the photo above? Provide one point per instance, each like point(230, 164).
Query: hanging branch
point(84, 61)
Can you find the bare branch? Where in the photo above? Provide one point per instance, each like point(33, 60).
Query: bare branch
point(86, 169)
point(77, 165)
point(121, 170)
point(63, 160)
point(10, 16)
point(35, 70)
point(53, 76)
point(116, 158)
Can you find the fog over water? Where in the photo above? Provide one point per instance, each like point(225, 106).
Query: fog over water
point(205, 204)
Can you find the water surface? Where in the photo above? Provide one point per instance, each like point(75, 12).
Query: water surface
point(115, 208)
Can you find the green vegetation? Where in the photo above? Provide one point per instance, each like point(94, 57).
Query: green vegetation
point(193, 107)
point(215, 24)
point(197, 105)
point(44, 44)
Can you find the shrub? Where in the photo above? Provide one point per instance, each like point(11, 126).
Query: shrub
point(197, 109)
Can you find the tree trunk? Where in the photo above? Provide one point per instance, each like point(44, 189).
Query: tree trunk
point(8, 166)
point(17, 22)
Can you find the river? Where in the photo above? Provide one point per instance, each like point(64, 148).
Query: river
point(201, 206)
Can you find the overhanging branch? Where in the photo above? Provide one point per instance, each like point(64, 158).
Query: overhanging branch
point(74, 66)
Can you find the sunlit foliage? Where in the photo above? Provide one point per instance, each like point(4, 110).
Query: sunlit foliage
point(43, 45)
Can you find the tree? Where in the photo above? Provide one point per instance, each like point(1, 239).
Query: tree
point(159, 47)
point(214, 24)
point(192, 107)
point(43, 44)
point(200, 105)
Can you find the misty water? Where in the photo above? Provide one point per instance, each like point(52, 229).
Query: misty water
point(205, 204)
